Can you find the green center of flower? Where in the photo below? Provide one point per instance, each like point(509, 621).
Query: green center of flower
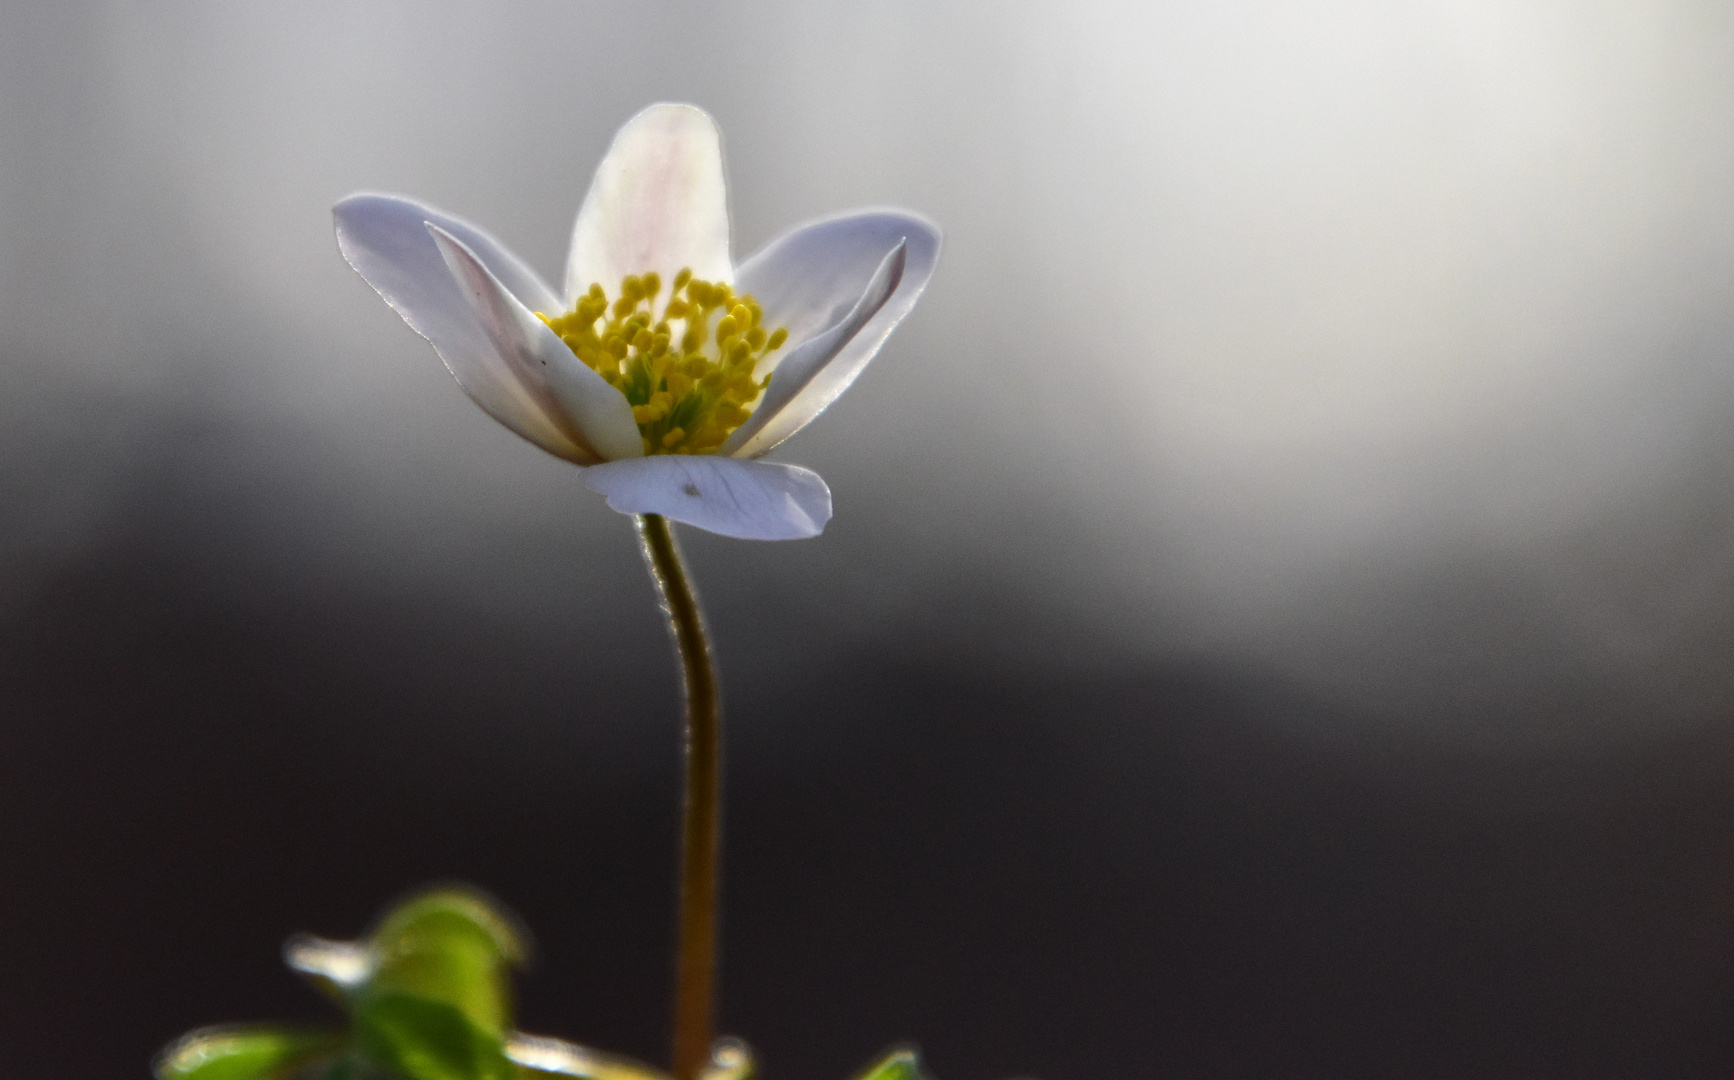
point(688, 374)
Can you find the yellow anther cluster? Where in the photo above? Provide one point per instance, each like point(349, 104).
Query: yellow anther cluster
point(688, 372)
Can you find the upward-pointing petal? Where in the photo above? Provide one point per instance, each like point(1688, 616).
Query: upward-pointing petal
point(658, 202)
point(387, 241)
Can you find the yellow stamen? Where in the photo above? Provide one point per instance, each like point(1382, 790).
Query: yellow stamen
point(689, 386)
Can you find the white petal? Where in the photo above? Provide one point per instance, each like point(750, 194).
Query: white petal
point(804, 362)
point(386, 239)
point(809, 278)
point(750, 500)
point(589, 411)
point(658, 202)
point(390, 226)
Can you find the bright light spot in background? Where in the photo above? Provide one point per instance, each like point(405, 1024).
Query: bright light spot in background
point(1355, 237)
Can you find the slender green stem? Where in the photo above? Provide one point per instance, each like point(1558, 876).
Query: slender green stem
point(701, 825)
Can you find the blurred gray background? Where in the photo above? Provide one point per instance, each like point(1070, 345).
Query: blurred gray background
point(1277, 619)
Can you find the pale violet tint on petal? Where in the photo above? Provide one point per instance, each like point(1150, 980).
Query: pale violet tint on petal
point(592, 413)
point(749, 500)
point(386, 239)
point(366, 214)
point(810, 278)
point(805, 361)
point(658, 202)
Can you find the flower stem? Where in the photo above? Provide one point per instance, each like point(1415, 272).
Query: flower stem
point(701, 826)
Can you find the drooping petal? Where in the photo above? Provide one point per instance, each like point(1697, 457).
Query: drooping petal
point(811, 277)
point(387, 241)
point(658, 202)
point(591, 413)
point(805, 361)
point(749, 500)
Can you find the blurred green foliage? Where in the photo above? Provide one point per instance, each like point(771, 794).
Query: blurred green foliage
point(428, 996)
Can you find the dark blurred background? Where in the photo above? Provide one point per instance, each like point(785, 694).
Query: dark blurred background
point(1277, 620)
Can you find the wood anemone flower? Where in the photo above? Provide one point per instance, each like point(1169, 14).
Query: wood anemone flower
point(664, 369)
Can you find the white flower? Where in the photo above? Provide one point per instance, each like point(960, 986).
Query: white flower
point(651, 370)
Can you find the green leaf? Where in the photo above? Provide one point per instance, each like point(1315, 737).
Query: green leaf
point(897, 1065)
point(538, 1056)
point(348, 1067)
point(452, 946)
point(335, 967)
point(427, 1040)
point(244, 1052)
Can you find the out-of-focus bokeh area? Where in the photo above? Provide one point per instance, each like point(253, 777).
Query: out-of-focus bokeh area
point(1278, 620)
